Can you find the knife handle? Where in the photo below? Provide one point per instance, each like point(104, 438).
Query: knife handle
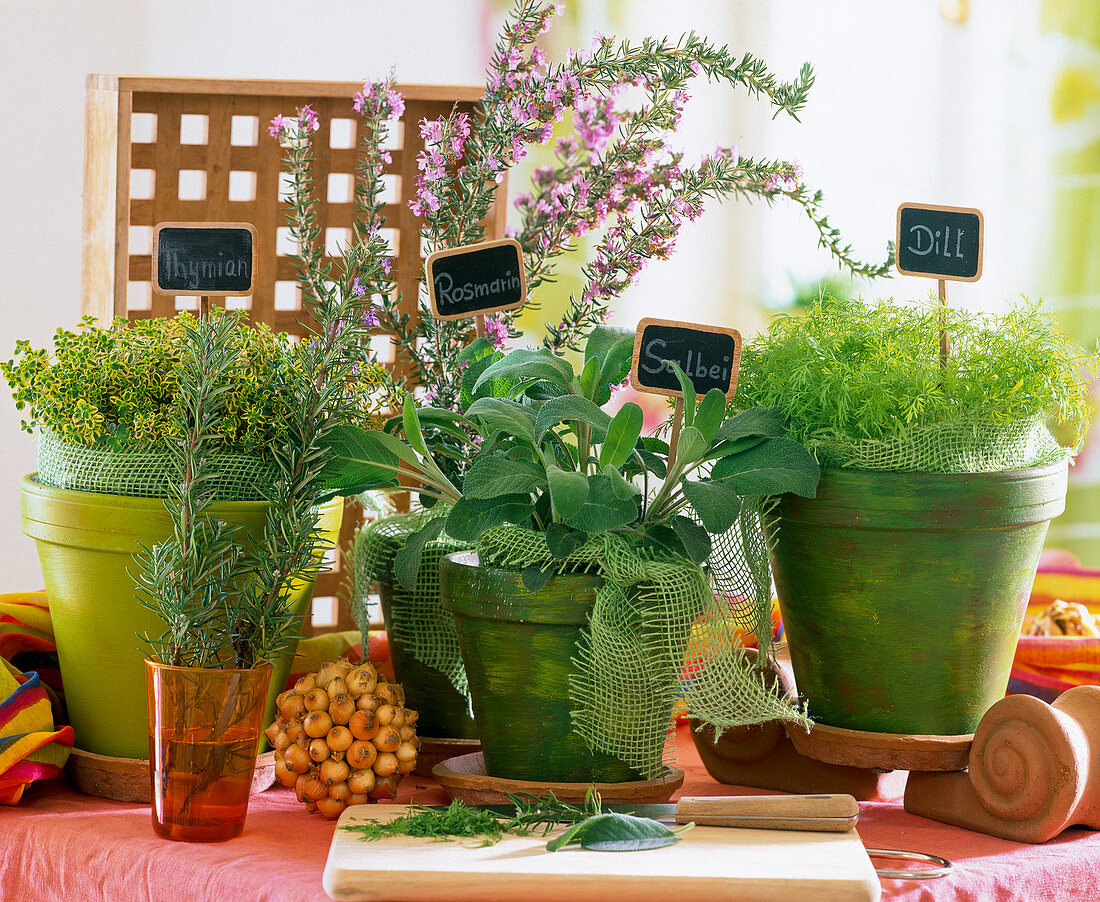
point(821, 812)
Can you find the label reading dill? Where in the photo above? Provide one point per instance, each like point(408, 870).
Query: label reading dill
point(208, 258)
point(709, 356)
point(476, 279)
point(940, 242)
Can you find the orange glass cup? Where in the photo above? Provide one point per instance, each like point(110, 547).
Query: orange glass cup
point(204, 733)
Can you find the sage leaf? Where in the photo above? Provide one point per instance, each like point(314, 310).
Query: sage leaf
point(530, 366)
point(572, 407)
point(622, 435)
point(603, 509)
point(500, 415)
point(691, 446)
point(695, 539)
point(766, 421)
point(406, 563)
point(710, 413)
point(563, 541)
point(535, 577)
point(623, 488)
point(568, 490)
point(688, 390)
point(496, 474)
point(716, 503)
point(773, 467)
point(470, 517)
point(614, 832)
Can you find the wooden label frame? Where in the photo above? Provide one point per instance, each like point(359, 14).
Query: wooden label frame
point(635, 368)
point(973, 211)
point(203, 292)
point(469, 249)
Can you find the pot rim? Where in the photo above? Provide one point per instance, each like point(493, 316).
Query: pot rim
point(32, 486)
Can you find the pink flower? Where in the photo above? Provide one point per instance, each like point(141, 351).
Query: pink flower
point(496, 331)
point(308, 119)
point(357, 101)
point(278, 124)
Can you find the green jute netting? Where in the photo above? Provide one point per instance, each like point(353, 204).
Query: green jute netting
point(650, 610)
point(417, 619)
point(962, 446)
point(144, 474)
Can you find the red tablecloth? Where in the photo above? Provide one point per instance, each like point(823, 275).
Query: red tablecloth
point(62, 845)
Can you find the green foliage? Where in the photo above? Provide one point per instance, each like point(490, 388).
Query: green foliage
point(556, 462)
point(119, 387)
point(242, 594)
point(873, 372)
point(461, 821)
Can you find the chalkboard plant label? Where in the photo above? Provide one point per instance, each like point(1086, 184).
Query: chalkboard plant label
point(940, 242)
point(476, 279)
point(204, 258)
point(709, 356)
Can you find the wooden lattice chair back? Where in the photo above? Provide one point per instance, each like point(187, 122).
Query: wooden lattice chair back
point(198, 150)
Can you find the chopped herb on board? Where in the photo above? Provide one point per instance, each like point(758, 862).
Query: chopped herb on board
point(461, 821)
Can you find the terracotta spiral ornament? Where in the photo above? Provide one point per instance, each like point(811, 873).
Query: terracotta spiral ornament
point(1034, 769)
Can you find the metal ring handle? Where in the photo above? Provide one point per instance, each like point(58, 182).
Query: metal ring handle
point(927, 874)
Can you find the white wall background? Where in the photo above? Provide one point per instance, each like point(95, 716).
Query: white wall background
point(907, 106)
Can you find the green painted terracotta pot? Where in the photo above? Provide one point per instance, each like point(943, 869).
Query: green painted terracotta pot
point(903, 593)
point(86, 542)
point(442, 708)
point(517, 647)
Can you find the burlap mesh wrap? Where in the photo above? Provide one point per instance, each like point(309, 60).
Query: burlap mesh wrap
point(962, 446)
point(144, 474)
point(629, 662)
point(417, 618)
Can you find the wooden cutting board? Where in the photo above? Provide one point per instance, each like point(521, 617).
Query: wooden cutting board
point(709, 863)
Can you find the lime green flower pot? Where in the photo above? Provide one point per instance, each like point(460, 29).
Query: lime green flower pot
point(86, 543)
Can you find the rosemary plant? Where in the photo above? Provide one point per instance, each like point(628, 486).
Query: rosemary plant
point(225, 604)
point(615, 172)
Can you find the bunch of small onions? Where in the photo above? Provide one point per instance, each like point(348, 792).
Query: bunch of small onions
point(343, 736)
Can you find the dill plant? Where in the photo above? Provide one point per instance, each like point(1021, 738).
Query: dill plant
point(846, 370)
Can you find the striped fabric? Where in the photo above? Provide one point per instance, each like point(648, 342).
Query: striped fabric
point(30, 747)
point(1045, 666)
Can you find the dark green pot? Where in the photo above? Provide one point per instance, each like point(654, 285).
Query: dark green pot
point(517, 647)
point(903, 593)
point(442, 708)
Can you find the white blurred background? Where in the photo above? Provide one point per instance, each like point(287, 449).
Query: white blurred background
point(993, 104)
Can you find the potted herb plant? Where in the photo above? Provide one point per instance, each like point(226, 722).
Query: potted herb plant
point(615, 174)
point(591, 540)
point(904, 581)
point(224, 600)
point(110, 406)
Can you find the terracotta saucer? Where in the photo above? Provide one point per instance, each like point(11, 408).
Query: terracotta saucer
point(127, 779)
point(882, 751)
point(434, 749)
point(464, 778)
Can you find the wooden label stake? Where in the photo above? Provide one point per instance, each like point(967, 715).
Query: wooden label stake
point(942, 243)
point(208, 259)
point(476, 279)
